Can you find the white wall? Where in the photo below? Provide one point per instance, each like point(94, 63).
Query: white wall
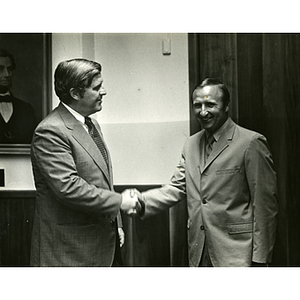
point(145, 116)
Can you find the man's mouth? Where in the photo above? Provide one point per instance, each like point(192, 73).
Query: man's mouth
point(4, 82)
point(205, 120)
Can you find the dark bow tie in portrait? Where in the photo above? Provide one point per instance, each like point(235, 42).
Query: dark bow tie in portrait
point(6, 98)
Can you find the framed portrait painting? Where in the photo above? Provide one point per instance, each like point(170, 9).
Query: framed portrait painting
point(25, 88)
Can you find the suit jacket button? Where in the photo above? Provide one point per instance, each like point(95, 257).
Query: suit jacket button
point(202, 227)
point(204, 201)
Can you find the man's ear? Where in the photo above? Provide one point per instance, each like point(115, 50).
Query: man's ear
point(75, 94)
point(227, 107)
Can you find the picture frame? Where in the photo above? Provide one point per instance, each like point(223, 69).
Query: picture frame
point(31, 80)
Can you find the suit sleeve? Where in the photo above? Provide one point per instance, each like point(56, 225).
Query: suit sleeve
point(262, 182)
point(52, 159)
point(159, 199)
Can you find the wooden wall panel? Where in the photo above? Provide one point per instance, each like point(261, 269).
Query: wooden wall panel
point(249, 87)
point(147, 242)
point(274, 60)
point(178, 235)
point(194, 75)
point(16, 220)
point(281, 70)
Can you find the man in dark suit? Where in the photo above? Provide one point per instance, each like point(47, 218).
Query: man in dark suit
point(17, 118)
point(77, 218)
point(226, 174)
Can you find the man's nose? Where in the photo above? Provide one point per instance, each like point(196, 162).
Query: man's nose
point(203, 111)
point(6, 72)
point(103, 91)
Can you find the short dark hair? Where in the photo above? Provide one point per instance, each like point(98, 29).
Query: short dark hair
point(75, 73)
point(219, 84)
point(5, 53)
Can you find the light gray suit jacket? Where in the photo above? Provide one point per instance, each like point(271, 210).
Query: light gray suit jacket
point(76, 207)
point(231, 199)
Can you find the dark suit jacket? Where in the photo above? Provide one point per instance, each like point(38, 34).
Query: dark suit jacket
point(20, 127)
point(232, 198)
point(76, 207)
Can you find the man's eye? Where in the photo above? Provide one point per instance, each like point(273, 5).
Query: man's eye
point(97, 88)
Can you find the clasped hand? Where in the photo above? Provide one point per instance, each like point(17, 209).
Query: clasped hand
point(130, 202)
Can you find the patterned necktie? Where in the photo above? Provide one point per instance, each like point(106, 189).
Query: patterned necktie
point(209, 145)
point(96, 137)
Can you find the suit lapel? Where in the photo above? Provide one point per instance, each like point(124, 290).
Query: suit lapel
point(222, 144)
point(217, 150)
point(85, 140)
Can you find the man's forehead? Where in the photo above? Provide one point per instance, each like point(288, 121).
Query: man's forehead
point(207, 92)
point(5, 61)
point(97, 78)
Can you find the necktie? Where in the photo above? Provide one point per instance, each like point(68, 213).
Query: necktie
point(96, 137)
point(6, 98)
point(209, 145)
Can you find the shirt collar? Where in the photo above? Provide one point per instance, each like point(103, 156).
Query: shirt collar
point(5, 94)
point(77, 115)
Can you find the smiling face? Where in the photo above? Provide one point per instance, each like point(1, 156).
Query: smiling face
point(209, 108)
point(91, 100)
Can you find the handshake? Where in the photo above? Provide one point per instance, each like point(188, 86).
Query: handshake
point(132, 203)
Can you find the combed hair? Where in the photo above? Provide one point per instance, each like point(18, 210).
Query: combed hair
point(75, 73)
point(5, 53)
point(220, 85)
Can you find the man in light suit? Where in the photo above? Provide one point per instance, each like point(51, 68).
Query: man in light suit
point(226, 174)
point(77, 218)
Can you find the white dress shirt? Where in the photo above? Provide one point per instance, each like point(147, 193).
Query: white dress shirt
point(6, 108)
point(77, 115)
